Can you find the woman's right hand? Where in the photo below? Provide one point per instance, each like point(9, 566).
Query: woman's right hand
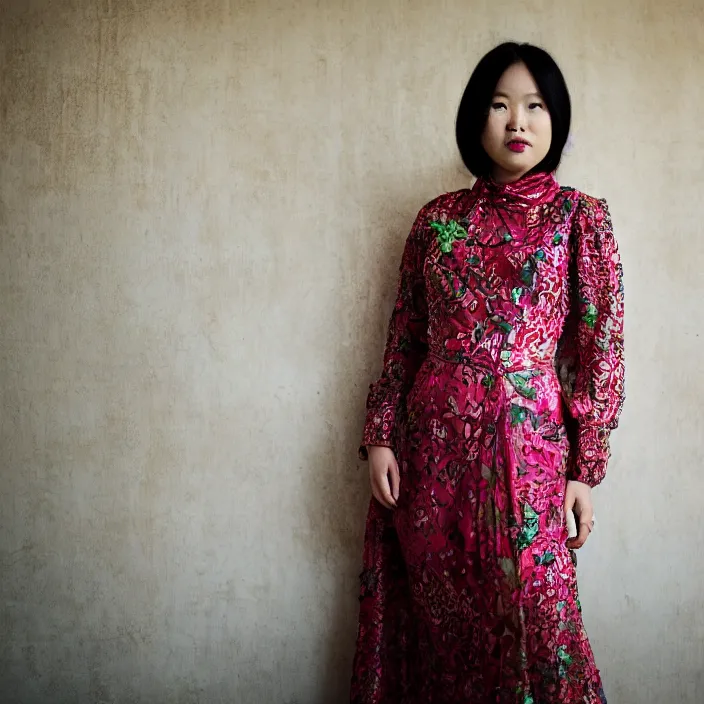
point(383, 475)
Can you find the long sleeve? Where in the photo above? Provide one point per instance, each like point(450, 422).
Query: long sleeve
point(406, 343)
point(591, 357)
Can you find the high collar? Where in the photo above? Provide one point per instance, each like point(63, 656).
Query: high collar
point(534, 189)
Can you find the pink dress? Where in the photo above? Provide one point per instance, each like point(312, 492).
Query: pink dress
point(502, 378)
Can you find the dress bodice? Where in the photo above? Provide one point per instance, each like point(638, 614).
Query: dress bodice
point(496, 279)
point(503, 278)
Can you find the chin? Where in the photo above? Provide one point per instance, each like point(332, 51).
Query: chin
point(522, 167)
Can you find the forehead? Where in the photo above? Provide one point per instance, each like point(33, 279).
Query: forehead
point(517, 80)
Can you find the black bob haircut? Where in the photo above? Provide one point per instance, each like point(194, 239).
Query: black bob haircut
point(476, 102)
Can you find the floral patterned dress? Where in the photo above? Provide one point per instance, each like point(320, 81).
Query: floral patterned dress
point(502, 378)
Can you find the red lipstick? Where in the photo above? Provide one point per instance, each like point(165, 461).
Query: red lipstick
point(517, 145)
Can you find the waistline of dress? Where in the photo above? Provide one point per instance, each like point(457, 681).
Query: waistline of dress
point(498, 366)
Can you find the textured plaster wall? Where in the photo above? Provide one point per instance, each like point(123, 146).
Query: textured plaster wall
point(202, 210)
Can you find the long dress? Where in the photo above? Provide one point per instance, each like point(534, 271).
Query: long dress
point(502, 379)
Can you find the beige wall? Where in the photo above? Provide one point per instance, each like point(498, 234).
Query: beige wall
point(202, 208)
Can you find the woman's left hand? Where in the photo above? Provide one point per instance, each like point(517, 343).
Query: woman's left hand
point(578, 498)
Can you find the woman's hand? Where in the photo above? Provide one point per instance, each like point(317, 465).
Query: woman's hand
point(383, 475)
point(578, 498)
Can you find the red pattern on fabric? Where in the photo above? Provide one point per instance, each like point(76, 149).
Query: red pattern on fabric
point(502, 378)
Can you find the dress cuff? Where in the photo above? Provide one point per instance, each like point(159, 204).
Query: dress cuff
point(378, 429)
point(363, 453)
point(592, 455)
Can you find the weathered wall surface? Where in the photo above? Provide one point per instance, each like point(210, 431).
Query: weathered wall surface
point(202, 209)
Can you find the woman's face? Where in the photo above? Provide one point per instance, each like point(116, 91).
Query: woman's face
point(518, 130)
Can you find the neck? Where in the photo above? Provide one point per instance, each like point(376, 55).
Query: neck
point(502, 177)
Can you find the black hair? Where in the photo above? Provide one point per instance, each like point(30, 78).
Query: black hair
point(476, 102)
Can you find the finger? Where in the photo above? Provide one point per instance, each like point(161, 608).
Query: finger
point(571, 525)
point(377, 491)
point(380, 498)
point(570, 500)
point(586, 515)
point(386, 492)
point(382, 493)
point(578, 542)
point(395, 480)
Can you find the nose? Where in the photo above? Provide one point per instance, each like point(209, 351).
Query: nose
point(516, 121)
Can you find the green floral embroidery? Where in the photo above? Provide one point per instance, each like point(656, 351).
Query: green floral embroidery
point(448, 234)
point(520, 414)
point(590, 316)
point(456, 284)
point(519, 381)
point(547, 558)
point(530, 267)
point(528, 271)
point(488, 381)
point(565, 660)
point(516, 294)
point(557, 238)
point(561, 605)
point(529, 529)
point(527, 696)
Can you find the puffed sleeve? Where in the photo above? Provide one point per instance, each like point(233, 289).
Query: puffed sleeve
point(590, 356)
point(406, 343)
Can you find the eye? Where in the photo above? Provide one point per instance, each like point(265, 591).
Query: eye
point(498, 106)
point(533, 106)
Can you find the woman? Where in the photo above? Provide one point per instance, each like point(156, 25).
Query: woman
point(502, 379)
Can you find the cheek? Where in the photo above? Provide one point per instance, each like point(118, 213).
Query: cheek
point(493, 134)
point(544, 129)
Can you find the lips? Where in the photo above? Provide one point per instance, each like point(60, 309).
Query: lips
point(518, 145)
